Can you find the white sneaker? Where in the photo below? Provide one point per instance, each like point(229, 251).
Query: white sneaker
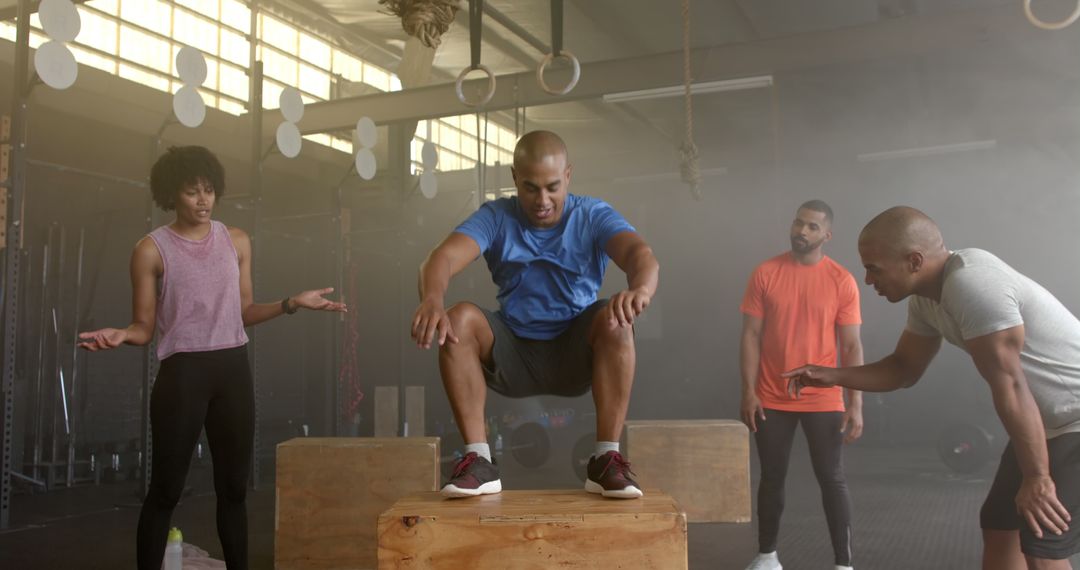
point(765, 561)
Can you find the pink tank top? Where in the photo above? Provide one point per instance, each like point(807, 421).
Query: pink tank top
point(198, 307)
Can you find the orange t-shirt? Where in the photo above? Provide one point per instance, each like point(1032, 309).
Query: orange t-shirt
point(801, 307)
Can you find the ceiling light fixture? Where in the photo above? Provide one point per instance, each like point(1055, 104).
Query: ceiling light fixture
point(927, 150)
point(695, 89)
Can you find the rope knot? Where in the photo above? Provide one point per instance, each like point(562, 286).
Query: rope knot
point(425, 20)
point(688, 167)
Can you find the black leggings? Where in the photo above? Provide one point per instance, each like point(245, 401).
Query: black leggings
point(193, 390)
point(823, 437)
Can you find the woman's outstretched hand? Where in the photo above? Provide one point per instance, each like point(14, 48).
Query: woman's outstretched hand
point(315, 301)
point(102, 339)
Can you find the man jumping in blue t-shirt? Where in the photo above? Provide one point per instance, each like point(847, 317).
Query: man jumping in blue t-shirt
point(547, 251)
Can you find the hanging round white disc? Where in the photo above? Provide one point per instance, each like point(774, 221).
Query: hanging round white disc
point(188, 106)
point(191, 66)
point(366, 134)
point(60, 20)
point(365, 163)
point(429, 155)
point(288, 139)
point(429, 186)
point(292, 105)
point(55, 65)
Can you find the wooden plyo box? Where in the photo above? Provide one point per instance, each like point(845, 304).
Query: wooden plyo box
point(533, 530)
point(331, 490)
point(703, 464)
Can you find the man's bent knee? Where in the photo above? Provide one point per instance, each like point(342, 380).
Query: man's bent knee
point(606, 335)
point(472, 330)
point(467, 320)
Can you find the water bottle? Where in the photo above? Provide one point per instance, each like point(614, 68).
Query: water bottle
point(498, 445)
point(174, 551)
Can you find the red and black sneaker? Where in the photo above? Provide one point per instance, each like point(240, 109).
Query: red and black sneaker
point(473, 475)
point(609, 475)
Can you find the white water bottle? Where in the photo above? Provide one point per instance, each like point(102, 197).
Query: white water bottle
point(174, 551)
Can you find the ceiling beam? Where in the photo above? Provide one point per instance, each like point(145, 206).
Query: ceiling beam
point(516, 28)
point(746, 19)
point(315, 17)
point(11, 12)
point(613, 24)
point(498, 42)
point(900, 37)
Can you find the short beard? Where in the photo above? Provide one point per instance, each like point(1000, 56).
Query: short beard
point(797, 247)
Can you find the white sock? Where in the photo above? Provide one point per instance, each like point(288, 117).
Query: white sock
point(768, 555)
point(839, 567)
point(481, 449)
point(603, 447)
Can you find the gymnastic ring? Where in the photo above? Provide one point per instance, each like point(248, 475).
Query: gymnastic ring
point(490, 90)
point(564, 54)
point(1050, 25)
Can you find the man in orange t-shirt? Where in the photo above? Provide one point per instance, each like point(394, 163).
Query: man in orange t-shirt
point(796, 306)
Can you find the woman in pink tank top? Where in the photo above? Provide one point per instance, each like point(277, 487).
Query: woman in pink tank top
point(191, 281)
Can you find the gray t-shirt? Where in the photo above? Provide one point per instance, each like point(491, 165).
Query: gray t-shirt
point(983, 295)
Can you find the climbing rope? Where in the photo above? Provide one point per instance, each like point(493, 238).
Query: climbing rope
point(688, 152)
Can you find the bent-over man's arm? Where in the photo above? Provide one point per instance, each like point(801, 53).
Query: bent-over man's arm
point(997, 356)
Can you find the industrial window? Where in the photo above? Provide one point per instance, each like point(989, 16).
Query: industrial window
point(138, 41)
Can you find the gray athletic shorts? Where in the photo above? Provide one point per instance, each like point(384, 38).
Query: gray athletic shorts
point(523, 367)
point(999, 510)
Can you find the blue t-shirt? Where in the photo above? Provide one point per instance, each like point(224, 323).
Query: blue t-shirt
point(546, 277)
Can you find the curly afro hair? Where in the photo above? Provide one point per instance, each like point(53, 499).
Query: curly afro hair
point(181, 166)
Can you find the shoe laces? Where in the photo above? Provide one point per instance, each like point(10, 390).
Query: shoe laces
point(464, 464)
point(619, 463)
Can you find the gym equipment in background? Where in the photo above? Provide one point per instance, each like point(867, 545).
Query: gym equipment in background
point(965, 447)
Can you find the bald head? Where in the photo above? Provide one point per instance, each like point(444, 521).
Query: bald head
point(542, 176)
point(902, 230)
point(539, 146)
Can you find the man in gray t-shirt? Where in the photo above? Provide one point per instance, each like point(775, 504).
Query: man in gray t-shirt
point(982, 295)
point(1025, 344)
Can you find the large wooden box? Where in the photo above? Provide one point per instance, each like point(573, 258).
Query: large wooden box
point(703, 464)
point(330, 492)
point(532, 530)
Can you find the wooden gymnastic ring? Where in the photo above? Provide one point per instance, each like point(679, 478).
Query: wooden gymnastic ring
point(576, 65)
point(490, 90)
